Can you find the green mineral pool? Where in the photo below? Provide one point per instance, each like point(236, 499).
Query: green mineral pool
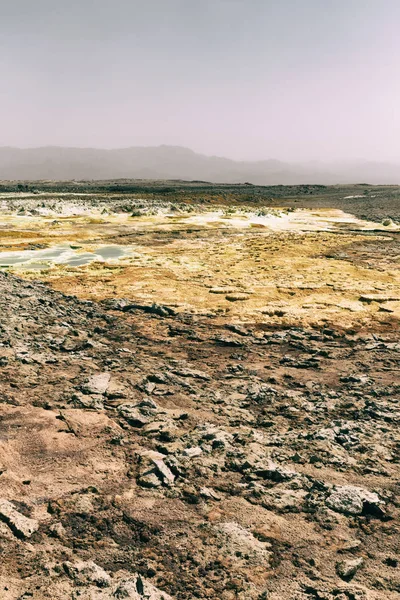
point(64, 254)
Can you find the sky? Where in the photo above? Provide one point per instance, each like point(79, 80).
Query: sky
point(293, 80)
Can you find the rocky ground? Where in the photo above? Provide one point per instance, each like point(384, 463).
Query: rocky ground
point(216, 415)
point(372, 202)
point(280, 266)
point(146, 454)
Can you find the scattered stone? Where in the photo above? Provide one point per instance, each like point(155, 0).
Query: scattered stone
point(116, 390)
point(86, 572)
point(133, 415)
point(164, 472)
point(152, 466)
point(137, 588)
point(284, 500)
point(237, 329)
point(155, 309)
point(209, 493)
point(351, 546)
point(73, 344)
point(221, 290)
point(191, 373)
point(346, 569)
point(352, 500)
point(224, 340)
point(379, 298)
point(57, 530)
point(97, 384)
point(192, 452)
point(21, 526)
point(240, 542)
point(237, 297)
point(149, 480)
point(218, 438)
point(274, 472)
point(94, 402)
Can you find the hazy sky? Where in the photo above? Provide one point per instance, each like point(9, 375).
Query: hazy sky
point(247, 79)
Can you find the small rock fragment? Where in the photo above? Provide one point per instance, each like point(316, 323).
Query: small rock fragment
point(237, 297)
point(166, 474)
point(57, 530)
point(209, 493)
point(149, 480)
point(86, 572)
point(346, 569)
point(116, 389)
point(224, 340)
point(379, 298)
point(97, 384)
point(154, 470)
point(352, 500)
point(21, 526)
point(192, 452)
point(350, 546)
point(137, 588)
point(133, 415)
point(241, 542)
point(191, 373)
point(274, 472)
point(94, 402)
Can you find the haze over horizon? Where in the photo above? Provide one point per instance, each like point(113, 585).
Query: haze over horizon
point(242, 79)
point(265, 159)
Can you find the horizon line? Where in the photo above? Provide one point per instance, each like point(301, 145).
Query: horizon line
point(187, 148)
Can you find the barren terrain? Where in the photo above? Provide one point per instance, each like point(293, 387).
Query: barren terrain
point(199, 391)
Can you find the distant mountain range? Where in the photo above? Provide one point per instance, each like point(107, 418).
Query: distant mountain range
point(175, 162)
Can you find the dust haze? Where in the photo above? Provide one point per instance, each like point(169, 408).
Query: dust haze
point(247, 80)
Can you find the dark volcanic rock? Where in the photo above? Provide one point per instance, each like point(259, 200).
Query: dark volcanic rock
point(236, 467)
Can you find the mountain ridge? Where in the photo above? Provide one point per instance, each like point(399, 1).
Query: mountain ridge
point(178, 162)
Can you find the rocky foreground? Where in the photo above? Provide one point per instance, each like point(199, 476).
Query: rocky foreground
point(149, 455)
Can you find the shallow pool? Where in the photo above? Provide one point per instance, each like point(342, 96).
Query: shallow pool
point(64, 254)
